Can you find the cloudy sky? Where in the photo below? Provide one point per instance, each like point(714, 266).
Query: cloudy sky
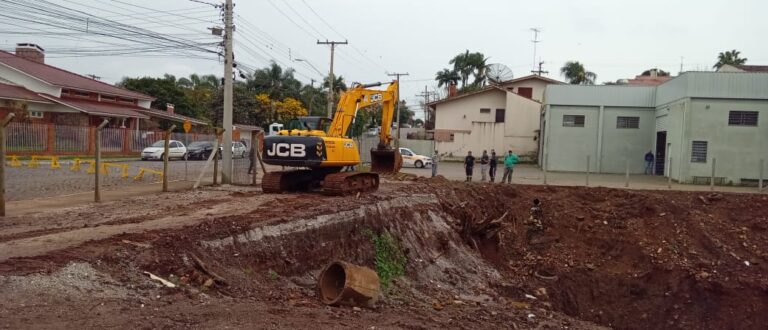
point(614, 39)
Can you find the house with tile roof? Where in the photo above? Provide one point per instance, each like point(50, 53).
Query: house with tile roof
point(54, 95)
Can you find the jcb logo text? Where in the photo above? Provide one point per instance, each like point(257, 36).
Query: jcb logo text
point(287, 150)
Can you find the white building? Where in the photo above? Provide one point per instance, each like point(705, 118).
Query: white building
point(501, 117)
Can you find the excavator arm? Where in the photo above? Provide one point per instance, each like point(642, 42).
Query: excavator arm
point(384, 158)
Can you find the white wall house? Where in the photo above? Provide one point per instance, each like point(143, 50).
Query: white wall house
point(690, 123)
point(501, 117)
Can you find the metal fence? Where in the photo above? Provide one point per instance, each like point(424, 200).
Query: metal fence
point(26, 137)
point(71, 139)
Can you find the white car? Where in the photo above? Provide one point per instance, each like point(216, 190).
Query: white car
point(410, 158)
point(238, 150)
point(176, 149)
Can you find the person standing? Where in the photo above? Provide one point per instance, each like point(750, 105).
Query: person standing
point(509, 163)
point(484, 160)
point(649, 163)
point(250, 160)
point(435, 159)
point(469, 164)
point(492, 165)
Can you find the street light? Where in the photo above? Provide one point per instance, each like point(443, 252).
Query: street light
point(310, 64)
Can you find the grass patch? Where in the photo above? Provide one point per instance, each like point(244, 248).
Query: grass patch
point(390, 260)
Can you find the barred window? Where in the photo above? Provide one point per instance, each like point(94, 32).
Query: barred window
point(699, 152)
point(742, 118)
point(628, 122)
point(573, 121)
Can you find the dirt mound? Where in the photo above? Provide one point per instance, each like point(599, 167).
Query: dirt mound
point(626, 259)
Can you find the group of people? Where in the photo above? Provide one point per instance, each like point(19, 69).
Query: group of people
point(488, 165)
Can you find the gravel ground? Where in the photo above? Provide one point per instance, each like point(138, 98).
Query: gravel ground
point(24, 183)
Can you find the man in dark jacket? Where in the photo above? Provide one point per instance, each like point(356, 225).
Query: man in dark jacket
point(649, 163)
point(469, 164)
point(492, 165)
point(484, 160)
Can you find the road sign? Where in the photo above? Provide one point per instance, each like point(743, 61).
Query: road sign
point(187, 126)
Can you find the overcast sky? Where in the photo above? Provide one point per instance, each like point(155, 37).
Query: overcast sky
point(614, 39)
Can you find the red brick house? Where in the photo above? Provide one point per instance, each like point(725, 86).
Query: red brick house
point(53, 95)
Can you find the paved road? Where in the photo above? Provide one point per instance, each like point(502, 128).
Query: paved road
point(24, 183)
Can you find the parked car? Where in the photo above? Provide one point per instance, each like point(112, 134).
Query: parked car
point(199, 150)
point(176, 149)
point(238, 150)
point(410, 158)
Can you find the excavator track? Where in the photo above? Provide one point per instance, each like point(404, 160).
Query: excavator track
point(286, 181)
point(347, 183)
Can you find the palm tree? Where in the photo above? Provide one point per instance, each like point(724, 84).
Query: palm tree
point(575, 73)
point(447, 77)
point(275, 82)
point(730, 58)
point(477, 61)
point(338, 84)
point(462, 66)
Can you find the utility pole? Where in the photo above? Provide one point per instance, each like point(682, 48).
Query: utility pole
point(426, 94)
point(397, 116)
point(331, 79)
point(226, 175)
point(535, 42)
point(539, 71)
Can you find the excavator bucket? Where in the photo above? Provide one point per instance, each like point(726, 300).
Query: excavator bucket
point(386, 160)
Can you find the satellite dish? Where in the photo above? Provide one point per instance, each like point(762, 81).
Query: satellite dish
point(498, 73)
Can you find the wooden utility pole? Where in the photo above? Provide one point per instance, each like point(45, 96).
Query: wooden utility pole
point(167, 156)
point(397, 116)
point(226, 173)
point(331, 79)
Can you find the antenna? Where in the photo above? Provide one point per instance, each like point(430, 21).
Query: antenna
point(535, 42)
point(540, 70)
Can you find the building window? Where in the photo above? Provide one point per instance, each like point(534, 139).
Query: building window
point(525, 92)
point(108, 98)
point(573, 121)
point(126, 100)
point(742, 118)
point(485, 110)
point(699, 152)
point(627, 122)
point(36, 114)
point(500, 115)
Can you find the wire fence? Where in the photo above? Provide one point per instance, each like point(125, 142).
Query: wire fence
point(46, 160)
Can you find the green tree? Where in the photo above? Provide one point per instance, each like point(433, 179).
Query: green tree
point(165, 90)
point(576, 74)
point(730, 58)
point(447, 77)
point(461, 65)
point(275, 81)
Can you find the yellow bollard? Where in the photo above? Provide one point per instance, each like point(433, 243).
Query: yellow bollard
point(139, 176)
point(75, 165)
point(124, 173)
point(34, 163)
point(104, 169)
point(91, 167)
point(55, 162)
point(15, 161)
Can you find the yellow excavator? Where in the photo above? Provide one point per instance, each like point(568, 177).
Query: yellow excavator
point(321, 150)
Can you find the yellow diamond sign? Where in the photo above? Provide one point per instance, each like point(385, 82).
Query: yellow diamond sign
point(187, 126)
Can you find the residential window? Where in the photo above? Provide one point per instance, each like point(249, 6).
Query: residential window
point(108, 98)
point(500, 115)
point(36, 114)
point(485, 110)
point(573, 120)
point(699, 152)
point(627, 122)
point(125, 100)
point(525, 92)
point(742, 118)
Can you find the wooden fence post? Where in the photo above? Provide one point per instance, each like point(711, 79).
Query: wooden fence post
point(166, 157)
point(3, 124)
point(97, 162)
